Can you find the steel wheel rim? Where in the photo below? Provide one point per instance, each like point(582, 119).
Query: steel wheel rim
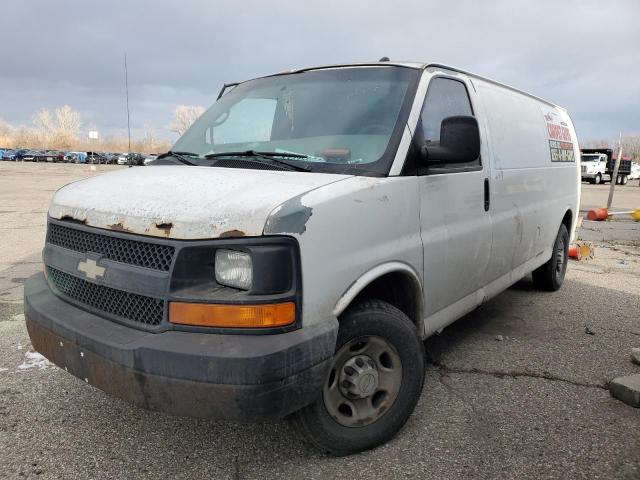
point(366, 399)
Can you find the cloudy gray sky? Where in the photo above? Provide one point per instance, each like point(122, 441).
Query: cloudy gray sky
point(583, 55)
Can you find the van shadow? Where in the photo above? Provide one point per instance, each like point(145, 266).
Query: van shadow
point(541, 320)
point(501, 315)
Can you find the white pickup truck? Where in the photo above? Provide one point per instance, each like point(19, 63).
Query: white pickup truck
point(291, 253)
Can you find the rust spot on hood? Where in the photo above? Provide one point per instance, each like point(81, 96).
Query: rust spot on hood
point(119, 227)
point(69, 218)
point(232, 233)
point(165, 227)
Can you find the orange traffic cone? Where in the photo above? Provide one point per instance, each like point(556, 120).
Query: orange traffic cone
point(581, 251)
point(574, 252)
point(598, 214)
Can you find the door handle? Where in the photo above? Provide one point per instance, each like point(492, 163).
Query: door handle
point(487, 201)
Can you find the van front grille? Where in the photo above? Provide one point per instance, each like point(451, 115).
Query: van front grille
point(146, 311)
point(132, 252)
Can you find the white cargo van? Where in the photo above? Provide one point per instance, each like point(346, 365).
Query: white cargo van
point(291, 253)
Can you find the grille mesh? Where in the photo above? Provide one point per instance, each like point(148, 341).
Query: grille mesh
point(133, 252)
point(130, 306)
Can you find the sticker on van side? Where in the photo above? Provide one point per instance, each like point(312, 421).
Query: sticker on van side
point(559, 135)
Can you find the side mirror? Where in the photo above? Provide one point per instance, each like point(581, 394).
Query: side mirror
point(459, 141)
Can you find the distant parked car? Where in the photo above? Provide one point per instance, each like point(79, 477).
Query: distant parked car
point(51, 156)
point(21, 152)
point(75, 157)
point(81, 157)
point(131, 159)
point(8, 154)
point(28, 155)
point(96, 157)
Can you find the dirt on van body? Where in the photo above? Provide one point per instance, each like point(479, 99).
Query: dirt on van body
point(516, 389)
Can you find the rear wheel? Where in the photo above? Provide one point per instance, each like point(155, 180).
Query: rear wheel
point(625, 179)
point(550, 276)
point(374, 383)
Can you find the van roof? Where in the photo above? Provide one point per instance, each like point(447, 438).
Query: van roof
point(418, 66)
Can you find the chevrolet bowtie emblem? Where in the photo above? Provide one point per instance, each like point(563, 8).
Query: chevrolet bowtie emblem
point(91, 269)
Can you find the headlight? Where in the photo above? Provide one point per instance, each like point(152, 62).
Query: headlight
point(234, 269)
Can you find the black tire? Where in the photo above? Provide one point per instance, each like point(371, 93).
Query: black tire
point(598, 179)
point(368, 321)
point(625, 180)
point(550, 276)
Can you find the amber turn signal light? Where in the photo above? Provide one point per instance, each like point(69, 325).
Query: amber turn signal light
point(232, 316)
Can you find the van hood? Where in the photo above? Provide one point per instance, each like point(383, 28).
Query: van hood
point(183, 202)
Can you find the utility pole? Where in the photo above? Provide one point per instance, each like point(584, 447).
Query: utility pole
point(614, 176)
point(126, 86)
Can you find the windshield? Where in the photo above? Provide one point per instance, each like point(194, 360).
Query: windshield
point(590, 158)
point(343, 120)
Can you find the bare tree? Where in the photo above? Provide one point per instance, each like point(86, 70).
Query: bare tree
point(6, 134)
point(631, 146)
point(597, 144)
point(184, 116)
point(67, 125)
point(44, 130)
point(149, 140)
point(59, 130)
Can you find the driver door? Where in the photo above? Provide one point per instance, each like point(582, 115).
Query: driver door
point(454, 212)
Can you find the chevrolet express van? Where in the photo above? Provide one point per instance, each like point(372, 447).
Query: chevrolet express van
point(291, 253)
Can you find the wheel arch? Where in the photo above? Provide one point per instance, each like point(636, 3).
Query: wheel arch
point(394, 282)
point(567, 221)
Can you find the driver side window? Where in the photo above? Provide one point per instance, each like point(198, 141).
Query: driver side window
point(445, 98)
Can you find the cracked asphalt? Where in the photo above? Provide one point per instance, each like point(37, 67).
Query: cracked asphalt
point(516, 389)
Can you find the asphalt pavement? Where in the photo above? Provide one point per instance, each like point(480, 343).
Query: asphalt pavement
point(516, 389)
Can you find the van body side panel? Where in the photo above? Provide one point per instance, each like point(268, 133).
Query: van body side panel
point(530, 192)
point(352, 227)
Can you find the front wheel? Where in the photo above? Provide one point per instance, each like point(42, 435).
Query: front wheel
point(373, 385)
point(598, 179)
point(550, 276)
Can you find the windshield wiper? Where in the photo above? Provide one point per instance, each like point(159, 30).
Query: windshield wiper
point(274, 157)
point(180, 156)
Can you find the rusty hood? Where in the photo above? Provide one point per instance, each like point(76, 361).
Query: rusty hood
point(183, 202)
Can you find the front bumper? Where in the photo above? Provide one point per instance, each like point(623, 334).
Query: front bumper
point(588, 175)
point(235, 377)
